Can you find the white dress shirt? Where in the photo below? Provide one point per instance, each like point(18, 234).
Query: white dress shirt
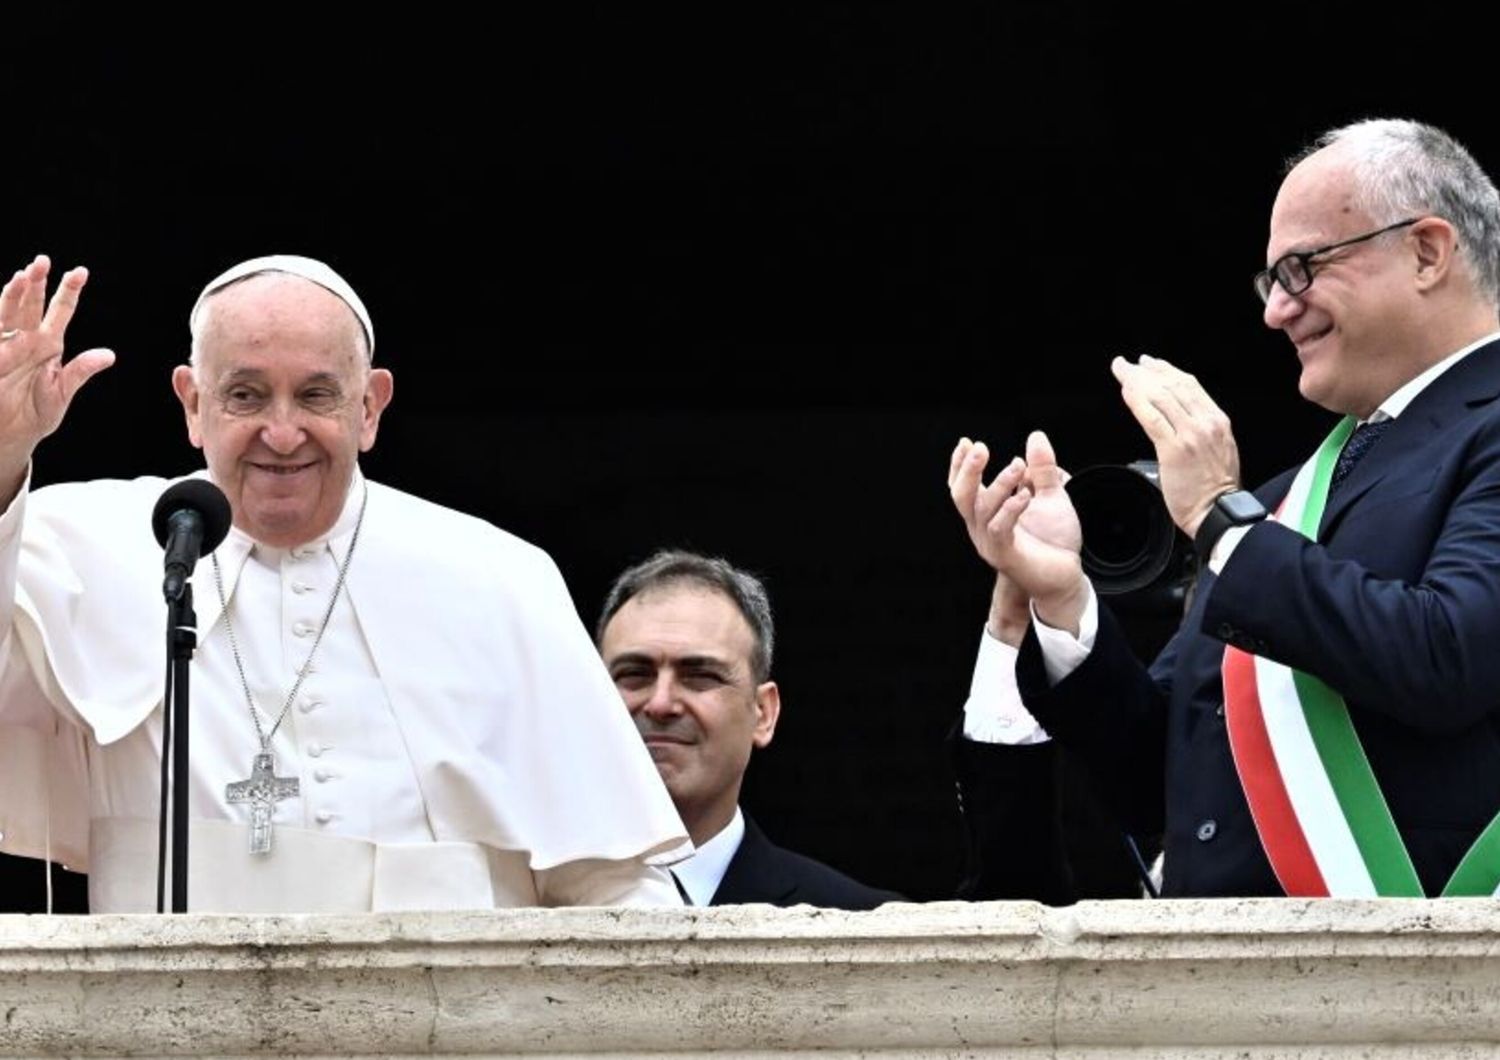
point(701, 874)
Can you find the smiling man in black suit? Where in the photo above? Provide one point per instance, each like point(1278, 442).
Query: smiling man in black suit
point(1327, 719)
point(688, 640)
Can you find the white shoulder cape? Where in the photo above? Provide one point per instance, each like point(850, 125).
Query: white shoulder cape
point(518, 736)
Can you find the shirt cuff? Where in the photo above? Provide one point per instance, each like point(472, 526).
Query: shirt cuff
point(994, 712)
point(1225, 546)
point(1062, 653)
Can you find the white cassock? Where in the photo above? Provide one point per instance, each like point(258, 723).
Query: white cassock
point(457, 741)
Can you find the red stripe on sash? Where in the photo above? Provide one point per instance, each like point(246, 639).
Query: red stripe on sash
point(1280, 833)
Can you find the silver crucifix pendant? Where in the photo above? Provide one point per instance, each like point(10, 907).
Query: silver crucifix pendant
point(262, 791)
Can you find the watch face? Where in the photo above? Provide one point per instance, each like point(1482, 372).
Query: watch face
point(1242, 507)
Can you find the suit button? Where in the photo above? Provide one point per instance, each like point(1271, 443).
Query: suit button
point(1207, 830)
point(1219, 710)
point(1226, 631)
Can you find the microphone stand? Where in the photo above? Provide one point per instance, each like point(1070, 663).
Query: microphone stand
point(182, 639)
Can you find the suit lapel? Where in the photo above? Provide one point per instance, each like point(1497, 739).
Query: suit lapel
point(755, 873)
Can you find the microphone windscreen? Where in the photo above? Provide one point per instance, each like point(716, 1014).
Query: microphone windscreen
point(198, 495)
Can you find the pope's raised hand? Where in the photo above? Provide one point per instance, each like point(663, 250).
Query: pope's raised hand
point(36, 386)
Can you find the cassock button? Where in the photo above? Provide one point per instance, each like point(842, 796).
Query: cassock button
point(315, 750)
point(1207, 830)
point(309, 705)
point(301, 587)
point(302, 629)
point(323, 816)
point(322, 775)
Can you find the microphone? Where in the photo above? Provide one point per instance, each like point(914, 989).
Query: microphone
point(191, 518)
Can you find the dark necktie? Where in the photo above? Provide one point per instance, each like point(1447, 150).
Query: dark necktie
point(1360, 442)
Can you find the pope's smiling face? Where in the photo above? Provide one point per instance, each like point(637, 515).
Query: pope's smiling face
point(282, 400)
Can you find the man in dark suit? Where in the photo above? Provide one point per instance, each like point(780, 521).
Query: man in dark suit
point(688, 640)
point(1325, 721)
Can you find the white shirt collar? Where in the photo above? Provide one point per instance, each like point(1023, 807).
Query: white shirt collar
point(1395, 405)
point(701, 874)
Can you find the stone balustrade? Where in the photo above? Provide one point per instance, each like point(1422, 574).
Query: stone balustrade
point(1223, 979)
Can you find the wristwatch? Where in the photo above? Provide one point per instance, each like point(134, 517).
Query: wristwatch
point(1235, 508)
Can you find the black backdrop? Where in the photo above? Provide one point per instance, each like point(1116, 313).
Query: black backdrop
point(732, 280)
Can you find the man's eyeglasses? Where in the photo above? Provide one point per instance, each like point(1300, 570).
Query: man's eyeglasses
point(1294, 271)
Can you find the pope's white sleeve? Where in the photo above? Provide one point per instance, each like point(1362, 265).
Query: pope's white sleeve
point(596, 881)
point(10, 560)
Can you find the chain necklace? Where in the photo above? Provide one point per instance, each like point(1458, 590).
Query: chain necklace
point(264, 788)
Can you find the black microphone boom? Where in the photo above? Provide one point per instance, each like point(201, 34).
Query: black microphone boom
point(191, 518)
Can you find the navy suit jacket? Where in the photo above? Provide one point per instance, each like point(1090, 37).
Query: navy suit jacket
point(761, 871)
point(1396, 606)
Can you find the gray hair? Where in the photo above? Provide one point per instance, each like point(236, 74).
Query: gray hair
point(671, 568)
point(1406, 168)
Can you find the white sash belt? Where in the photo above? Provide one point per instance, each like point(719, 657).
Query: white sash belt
point(307, 872)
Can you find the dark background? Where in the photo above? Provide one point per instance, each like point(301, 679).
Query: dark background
point(730, 280)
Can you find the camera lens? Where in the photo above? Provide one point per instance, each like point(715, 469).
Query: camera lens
point(1128, 537)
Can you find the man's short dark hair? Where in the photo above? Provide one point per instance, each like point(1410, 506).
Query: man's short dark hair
point(672, 568)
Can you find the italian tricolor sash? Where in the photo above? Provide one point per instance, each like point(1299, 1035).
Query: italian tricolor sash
point(1320, 813)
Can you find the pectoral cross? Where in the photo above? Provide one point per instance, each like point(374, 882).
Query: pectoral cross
point(262, 791)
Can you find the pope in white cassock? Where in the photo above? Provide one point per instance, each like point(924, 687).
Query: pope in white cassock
point(421, 675)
